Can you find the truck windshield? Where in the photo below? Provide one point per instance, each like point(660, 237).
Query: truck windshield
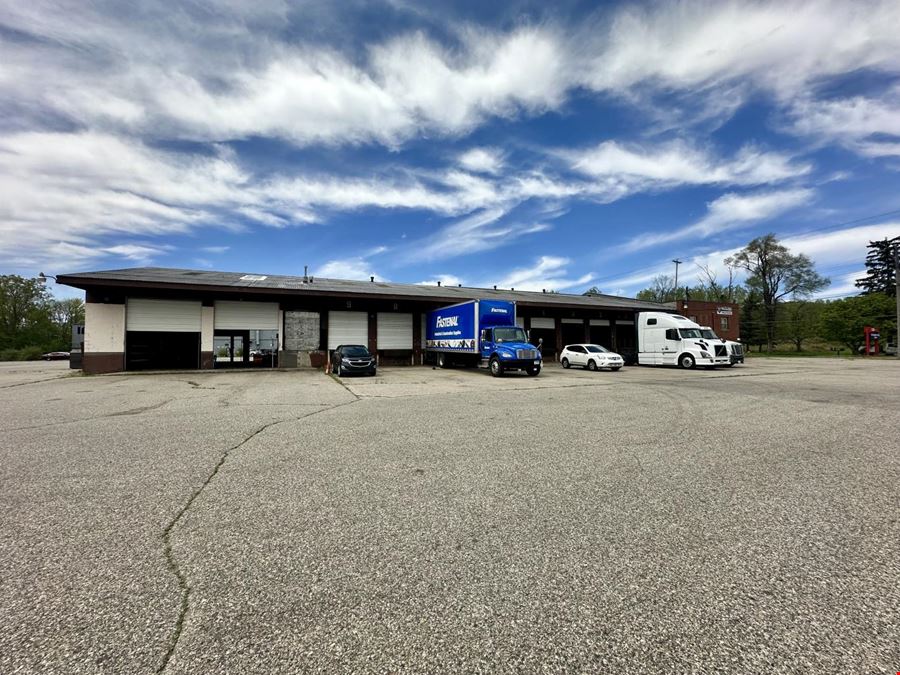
point(689, 333)
point(709, 334)
point(509, 335)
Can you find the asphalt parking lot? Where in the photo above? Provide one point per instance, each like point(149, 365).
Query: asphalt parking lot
point(744, 520)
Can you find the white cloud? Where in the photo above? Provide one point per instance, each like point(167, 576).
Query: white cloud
point(678, 163)
point(863, 124)
point(481, 231)
point(482, 160)
point(548, 273)
point(348, 268)
point(140, 253)
point(215, 249)
point(841, 247)
point(726, 213)
point(445, 279)
point(780, 46)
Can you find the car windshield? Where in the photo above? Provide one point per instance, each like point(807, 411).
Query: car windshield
point(689, 333)
point(709, 334)
point(596, 348)
point(354, 350)
point(509, 335)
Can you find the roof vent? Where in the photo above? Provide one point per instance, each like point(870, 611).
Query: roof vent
point(460, 285)
point(439, 282)
point(305, 273)
point(511, 288)
point(372, 280)
point(495, 287)
point(254, 277)
point(543, 290)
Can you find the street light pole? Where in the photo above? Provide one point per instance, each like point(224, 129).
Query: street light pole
point(677, 263)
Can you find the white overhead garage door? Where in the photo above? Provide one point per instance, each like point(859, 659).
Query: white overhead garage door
point(233, 315)
point(542, 322)
point(395, 331)
point(347, 328)
point(162, 316)
point(573, 321)
point(599, 322)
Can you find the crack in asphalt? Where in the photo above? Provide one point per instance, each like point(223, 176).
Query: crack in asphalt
point(172, 564)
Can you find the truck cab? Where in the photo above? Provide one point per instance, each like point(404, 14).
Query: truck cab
point(507, 348)
point(735, 349)
point(673, 340)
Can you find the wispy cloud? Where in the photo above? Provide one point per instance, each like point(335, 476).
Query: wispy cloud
point(727, 213)
point(547, 273)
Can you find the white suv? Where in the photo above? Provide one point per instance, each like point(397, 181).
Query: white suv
point(592, 357)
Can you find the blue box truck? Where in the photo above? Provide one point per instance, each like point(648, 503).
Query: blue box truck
point(481, 333)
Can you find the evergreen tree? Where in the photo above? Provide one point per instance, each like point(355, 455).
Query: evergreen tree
point(880, 267)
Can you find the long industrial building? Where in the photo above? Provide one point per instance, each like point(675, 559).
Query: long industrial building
point(158, 318)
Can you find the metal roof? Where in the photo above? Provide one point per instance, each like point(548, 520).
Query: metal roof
point(162, 277)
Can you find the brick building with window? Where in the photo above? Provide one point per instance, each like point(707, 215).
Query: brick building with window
point(723, 317)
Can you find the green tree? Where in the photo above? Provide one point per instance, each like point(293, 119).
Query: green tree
point(24, 313)
point(798, 321)
point(776, 273)
point(593, 290)
point(662, 289)
point(844, 320)
point(880, 267)
point(66, 314)
point(752, 321)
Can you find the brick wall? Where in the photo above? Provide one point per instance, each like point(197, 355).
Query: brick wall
point(723, 317)
point(301, 331)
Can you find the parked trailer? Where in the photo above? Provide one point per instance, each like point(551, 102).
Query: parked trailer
point(481, 333)
point(673, 340)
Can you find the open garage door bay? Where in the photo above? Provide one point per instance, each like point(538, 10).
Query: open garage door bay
point(162, 334)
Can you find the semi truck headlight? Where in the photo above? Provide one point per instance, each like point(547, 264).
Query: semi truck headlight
point(705, 355)
point(505, 355)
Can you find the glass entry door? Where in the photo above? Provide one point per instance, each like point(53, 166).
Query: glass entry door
point(230, 348)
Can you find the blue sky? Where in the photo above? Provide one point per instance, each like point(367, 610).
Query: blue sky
point(528, 145)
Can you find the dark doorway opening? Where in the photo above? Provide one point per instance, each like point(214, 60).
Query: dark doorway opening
point(601, 335)
point(149, 350)
point(572, 333)
point(548, 335)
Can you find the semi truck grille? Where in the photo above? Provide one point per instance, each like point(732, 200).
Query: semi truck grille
point(721, 350)
point(526, 354)
point(738, 350)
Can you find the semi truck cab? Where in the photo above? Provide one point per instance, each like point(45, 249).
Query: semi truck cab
point(673, 340)
point(735, 349)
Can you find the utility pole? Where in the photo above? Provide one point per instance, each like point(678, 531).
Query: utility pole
point(677, 263)
point(897, 295)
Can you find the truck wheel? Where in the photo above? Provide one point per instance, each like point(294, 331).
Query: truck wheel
point(686, 361)
point(496, 368)
point(533, 370)
point(592, 365)
point(565, 363)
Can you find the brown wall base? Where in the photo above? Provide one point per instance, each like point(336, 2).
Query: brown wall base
point(94, 363)
point(207, 361)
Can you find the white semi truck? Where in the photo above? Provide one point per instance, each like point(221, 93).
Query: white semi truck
point(735, 349)
point(673, 340)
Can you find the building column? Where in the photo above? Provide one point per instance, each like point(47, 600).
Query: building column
point(587, 330)
point(104, 337)
point(207, 328)
point(417, 338)
point(559, 337)
point(373, 333)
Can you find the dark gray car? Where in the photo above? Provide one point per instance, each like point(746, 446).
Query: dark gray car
point(348, 359)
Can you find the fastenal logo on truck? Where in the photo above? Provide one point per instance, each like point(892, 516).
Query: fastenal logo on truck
point(447, 321)
point(498, 310)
